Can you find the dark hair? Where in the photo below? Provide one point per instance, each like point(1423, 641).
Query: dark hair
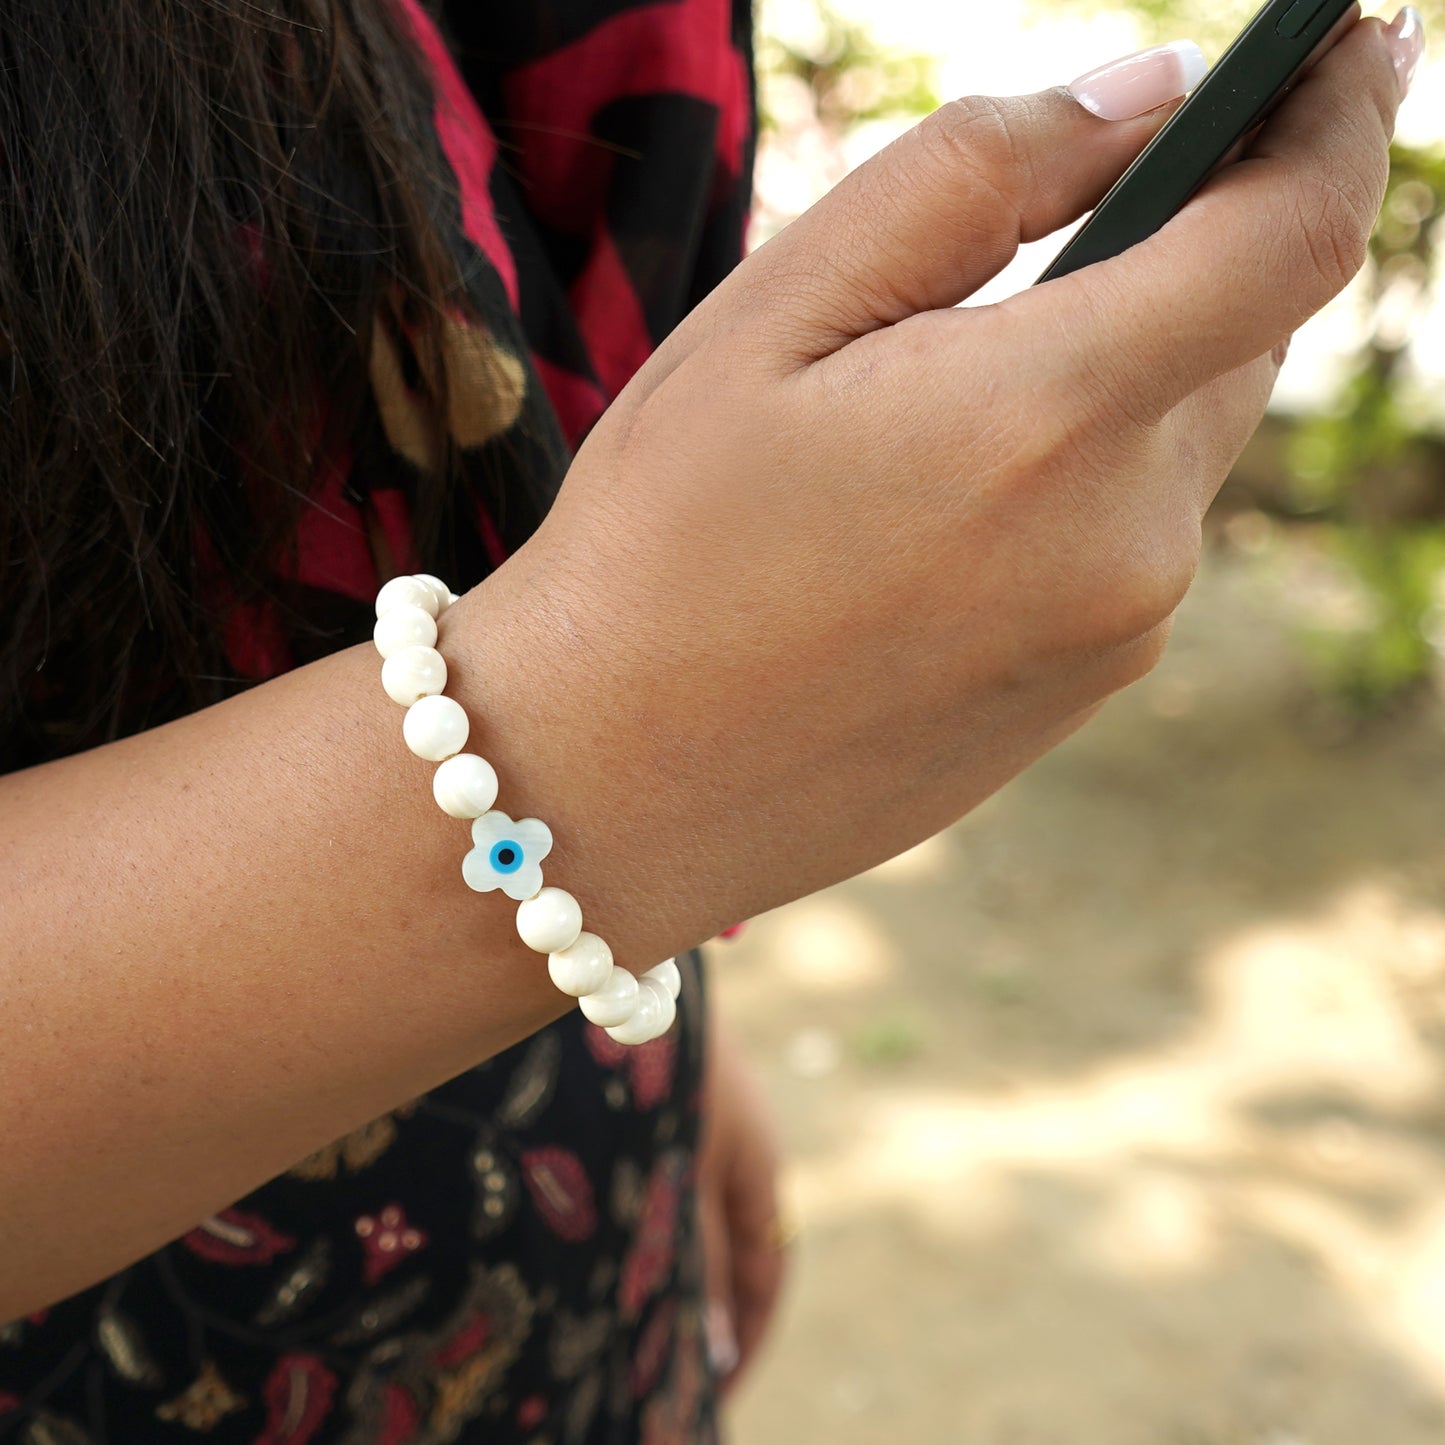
point(206, 207)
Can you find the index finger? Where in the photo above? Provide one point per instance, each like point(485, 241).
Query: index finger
point(1263, 247)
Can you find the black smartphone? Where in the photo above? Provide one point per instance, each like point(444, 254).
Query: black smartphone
point(1270, 54)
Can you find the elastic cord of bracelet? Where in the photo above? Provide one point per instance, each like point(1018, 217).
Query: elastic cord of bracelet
point(506, 854)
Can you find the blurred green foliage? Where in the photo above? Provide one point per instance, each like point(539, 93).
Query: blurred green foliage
point(1363, 465)
point(893, 1038)
point(1391, 652)
point(852, 78)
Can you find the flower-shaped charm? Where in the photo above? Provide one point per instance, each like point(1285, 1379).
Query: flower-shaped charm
point(507, 855)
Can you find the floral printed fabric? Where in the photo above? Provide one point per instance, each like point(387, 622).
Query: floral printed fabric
point(512, 1257)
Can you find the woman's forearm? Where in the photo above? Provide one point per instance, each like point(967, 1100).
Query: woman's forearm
point(226, 942)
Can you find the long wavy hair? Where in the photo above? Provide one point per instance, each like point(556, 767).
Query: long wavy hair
point(205, 208)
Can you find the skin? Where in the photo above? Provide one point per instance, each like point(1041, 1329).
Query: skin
point(839, 563)
point(737, 1193)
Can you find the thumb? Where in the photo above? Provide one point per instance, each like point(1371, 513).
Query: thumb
point(945, 207)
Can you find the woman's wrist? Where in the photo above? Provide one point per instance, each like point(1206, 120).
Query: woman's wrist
point(508, 855)
point(533, 657)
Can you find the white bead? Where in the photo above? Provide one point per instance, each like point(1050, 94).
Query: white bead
point(413, 673)
point(439, 589)
point(435, 728)
point(651, 1019)
point(582, 968)
point(406, 592)
point(465, 786)
point(615, 1001)
point(667, 974)
point(404, 626)
point(452, 599)
point(551, 921)
point(669, 1004)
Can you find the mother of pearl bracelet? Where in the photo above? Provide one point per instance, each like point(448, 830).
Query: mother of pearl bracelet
point(505, 855)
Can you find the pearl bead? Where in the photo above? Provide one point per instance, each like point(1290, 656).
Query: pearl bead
point(614, 1002)
point(652, 1017)
point(452, 599)
point(667, 974)
point(582, 968)
point(669, 1004)
point(406, 592)
point(412, 673)
point(405, 625)
point(465, 786)
point(551, 921)
point(435, 728)
point(440, 590)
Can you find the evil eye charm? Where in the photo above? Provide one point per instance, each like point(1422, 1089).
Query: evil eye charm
point(507, 855)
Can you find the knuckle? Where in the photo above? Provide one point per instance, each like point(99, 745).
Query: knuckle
point(1132, 593)
point(976, 126)
point(1119, 569)
point(1135, 660)
point(1335, 221)
point(978, 137)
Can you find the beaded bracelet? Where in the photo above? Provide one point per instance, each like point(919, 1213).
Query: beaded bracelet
point(505, 855)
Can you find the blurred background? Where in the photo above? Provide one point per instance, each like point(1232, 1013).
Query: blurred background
point(1115, 1114)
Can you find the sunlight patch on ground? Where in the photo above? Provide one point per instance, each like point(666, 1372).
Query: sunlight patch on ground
point(1305, 1015)
point(827, 944)
point(1155, 1224)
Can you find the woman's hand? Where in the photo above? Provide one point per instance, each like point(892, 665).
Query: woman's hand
point(843, 559)
point(737, 1207)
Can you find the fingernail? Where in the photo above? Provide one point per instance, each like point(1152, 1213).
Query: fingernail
point(722, 1344)
point(1407, 42)
point(1141, 83)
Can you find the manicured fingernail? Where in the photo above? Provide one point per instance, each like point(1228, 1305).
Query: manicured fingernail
point(1141, 83)
point(722, 1344)
point(1407, 42)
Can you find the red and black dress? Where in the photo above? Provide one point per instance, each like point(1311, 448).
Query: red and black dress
point(512, 1257)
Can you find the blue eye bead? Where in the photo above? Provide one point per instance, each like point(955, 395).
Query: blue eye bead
point(507, 855)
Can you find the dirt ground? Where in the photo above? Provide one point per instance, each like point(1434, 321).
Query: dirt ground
point(1115, 1114)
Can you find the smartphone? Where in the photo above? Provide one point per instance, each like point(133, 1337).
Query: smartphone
point(1258, 70)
